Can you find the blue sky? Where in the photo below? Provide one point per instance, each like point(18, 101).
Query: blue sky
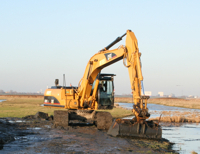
point(42, 40)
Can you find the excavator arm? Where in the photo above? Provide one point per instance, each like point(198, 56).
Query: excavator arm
point(131, 58)
point(94, 67)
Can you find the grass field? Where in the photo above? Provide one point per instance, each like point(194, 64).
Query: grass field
point(21, 106)
point(120, 112)
point(186, 103)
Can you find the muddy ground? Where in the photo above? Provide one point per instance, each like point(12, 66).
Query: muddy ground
point(40, 136)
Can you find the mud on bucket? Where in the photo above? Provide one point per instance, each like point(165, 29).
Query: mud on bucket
point(148, 129)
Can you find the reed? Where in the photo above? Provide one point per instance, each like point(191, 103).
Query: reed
point(186, 103)
point(178, 116)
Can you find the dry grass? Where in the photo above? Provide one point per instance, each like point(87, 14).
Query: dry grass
point(21, 96)
point(120, 112)
point(178, 116)
point(186, 103)
point(177, 119)
point(29, 105)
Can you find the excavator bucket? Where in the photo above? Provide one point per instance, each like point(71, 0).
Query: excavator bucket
point(130, 128)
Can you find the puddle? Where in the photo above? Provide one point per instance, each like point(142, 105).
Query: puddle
point(47, 126)
point(6, 120)
point(1, 100)
point(186, 136)
point(15, 121)
point(23, 142)
point(35, 128)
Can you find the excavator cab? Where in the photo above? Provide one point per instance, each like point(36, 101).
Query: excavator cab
point(105, 93)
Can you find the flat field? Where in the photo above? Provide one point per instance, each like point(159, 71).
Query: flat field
point(21, 106)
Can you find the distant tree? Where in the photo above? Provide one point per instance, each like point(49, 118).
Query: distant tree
point(2, 92)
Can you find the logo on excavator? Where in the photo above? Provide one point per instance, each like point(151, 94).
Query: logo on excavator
point(110, 56)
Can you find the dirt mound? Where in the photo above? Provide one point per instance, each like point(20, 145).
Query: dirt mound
point(38, 115)
point(104, 120)
point(61, 118)
point(4, 136)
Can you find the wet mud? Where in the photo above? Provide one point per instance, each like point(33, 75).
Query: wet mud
point(37, 135)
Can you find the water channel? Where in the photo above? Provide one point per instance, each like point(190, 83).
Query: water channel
point(186, 136)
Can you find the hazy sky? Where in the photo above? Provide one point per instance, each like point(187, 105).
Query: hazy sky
point(42, 40)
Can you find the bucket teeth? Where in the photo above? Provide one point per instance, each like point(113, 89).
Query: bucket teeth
point(148, 129)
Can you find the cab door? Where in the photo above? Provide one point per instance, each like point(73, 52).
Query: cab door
point(105, 94)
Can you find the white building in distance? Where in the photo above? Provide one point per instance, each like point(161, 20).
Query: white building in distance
point(161, 94)
point(148, 93)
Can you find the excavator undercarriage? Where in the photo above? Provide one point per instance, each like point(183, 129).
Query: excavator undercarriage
point(63, 118)
point(104, 121)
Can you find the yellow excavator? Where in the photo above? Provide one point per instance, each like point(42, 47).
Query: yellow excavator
point(95, 92)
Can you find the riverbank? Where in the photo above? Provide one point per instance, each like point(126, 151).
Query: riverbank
point(177, 116)
point(186, 103)
point(168, 113)
point(179, 125)
point(40, 136)
point(172, 116)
